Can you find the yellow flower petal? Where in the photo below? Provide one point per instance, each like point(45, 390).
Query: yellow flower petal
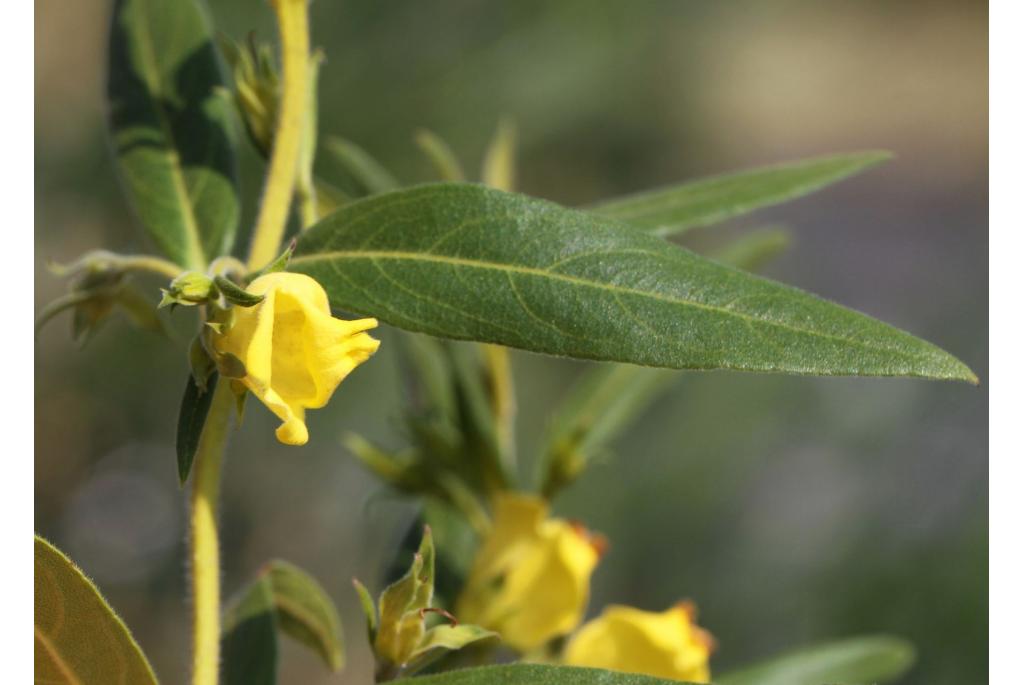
point(295, 353)
point(668, 644)
point(530, 582)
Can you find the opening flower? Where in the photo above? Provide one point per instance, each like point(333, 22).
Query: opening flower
point(294, 352)
point(530, 580)
point(668, 644)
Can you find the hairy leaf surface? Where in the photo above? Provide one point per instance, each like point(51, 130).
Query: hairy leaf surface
point(535, 674)
point(467, 262)
point(79, 640)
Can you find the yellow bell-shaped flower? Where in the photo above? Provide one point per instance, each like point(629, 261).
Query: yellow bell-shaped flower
point(668, 644)
point(294, 352)
point(530, 580)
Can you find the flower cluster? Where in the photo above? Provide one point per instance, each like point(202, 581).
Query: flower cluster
point(530, 583)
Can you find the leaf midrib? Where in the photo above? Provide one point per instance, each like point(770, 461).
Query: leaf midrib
point(54, 653)
point(195, 255)
point(538, 272)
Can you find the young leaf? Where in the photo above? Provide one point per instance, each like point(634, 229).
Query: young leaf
point(171, 128)
point(195, 405)
point(282, 597)
point(676, 209)
point(535, 674)
point(249, 640)
point(444, 160)
point(78, 637)
point(499, 168)
point(306, 613)
point(367, 171)
point(856, 661)
point(598, 408)
point(468, 262)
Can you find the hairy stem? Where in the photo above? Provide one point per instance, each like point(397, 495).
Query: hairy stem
point(205, 547)
point(293, 25)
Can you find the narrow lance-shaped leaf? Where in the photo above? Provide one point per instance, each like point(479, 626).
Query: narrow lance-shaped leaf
point(195, 405)
point(468, 262)
point(79, 640)
point(675, 209)
point(854, 661)
point(171, 128)
point(535, 674)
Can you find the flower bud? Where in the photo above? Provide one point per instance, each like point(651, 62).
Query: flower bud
point(190, 288)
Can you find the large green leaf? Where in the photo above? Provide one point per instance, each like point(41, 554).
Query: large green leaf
point(675, 209)
point(79, 640)
point(171, 127)
point(467, 262)
point(855, 661)
point(535, 674)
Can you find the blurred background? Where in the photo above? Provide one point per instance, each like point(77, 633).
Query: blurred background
point(792, 510)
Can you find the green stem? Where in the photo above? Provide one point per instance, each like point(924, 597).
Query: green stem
point(293, 25)
point(205, 546)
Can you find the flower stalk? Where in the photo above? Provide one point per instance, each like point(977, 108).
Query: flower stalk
point(204, 540)
point(293, 25)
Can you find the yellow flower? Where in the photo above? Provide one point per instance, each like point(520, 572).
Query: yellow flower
point(295, 354)
point(667, 644)
point(530, 580)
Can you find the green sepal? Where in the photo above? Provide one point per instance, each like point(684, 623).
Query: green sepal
point(369, 609)
point(236, 294)
point(279, 264)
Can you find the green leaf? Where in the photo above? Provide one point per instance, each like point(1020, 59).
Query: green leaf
point(599, 406)
point(468, 262)
point(367, 171)
point(283, 597)
point(754, 249)
point(249, 641)
point(306, 613)
point(675, 209)
point(854, 661)
point(171, 128)
point(195, 405)
point(535, 674)
point(79, 640)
